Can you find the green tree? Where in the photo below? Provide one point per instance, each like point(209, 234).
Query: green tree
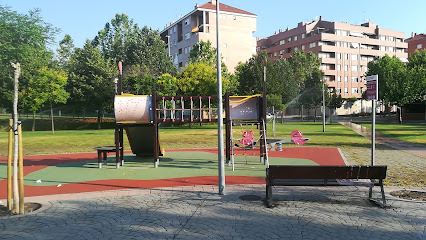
point(336, 101)
point(250, 74)
point(65, 50)
point(203, 52)
point(311, 97)
point(137, 80)
point(416, 76)
point(167, 85)
point(123, 40)
point(54, 88)
point(198, 79)
point(24, 38)
point(89, 83)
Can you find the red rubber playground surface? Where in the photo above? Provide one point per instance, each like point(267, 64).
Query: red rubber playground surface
point(85, 163)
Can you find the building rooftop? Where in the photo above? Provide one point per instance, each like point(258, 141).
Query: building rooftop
point(224, 8)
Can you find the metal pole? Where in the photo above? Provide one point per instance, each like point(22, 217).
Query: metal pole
point(323, 106)
point(9, 166)
point(221, 162)
point(373, 132)
point(21, 170)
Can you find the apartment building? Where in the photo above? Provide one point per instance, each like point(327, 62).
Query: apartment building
point(344, 49)
point(236, 33)
point(416, 42)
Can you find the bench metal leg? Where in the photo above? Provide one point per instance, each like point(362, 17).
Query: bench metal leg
point(268, 195)
point(99, 159)
point(383, 192)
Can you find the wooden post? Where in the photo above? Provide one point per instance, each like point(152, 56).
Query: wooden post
point(9, 166)
point(21, 171)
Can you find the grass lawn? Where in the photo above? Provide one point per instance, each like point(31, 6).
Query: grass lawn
point(69, 141)
point(415, 133)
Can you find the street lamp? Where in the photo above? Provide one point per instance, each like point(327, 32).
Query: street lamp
point(115, 81)
point(323, 105)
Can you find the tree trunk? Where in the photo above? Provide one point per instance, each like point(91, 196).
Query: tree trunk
point(17, 72)
point(51, 117)
point(315, 115)
point(33, 128)
point(282, 117)
point(73, 114)
point(99, 119)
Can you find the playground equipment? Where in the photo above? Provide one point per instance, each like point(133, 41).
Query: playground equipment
point(140, 117)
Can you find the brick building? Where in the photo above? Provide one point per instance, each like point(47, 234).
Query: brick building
point(344, 49)
point(416, 42)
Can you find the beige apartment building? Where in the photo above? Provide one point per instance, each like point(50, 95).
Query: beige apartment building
point(344, 49)
point(236, 34)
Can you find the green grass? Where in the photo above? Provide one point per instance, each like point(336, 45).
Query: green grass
point(69, 141)
point(410, 132)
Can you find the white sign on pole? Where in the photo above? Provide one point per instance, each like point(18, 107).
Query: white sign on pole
point(372, 89)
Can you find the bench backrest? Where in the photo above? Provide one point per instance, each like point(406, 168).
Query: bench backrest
point(325, 172)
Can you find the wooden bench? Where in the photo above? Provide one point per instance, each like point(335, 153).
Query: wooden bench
point(291, 175)
point(102, 153)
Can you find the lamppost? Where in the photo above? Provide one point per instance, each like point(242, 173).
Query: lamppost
point(323, 105)
point(361, 99)
point(115, 81)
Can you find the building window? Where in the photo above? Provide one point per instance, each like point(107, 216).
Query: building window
point(354, 79)
point(346, 90)
point(345, 44)
point(382, 48)
point(390, 49)
point(339, 68)
point(295, 38)
point(186, 21)
point(419, 46)
point(174, 28)
point(295, 48)
point(338, 44)
point(281, 52)
point(339, 78)
point(187, 36)
point(354, 90)
point(289, 39)
point(303, 47)
point(275, 54)
point(312, 45)
point(288, 50)
point(225, 45)
point(354, 56)
point(346, 56)
point(303, 35)
point(180, 50)
point(180, 64)
point(346, 78)
point(339, 90)
point(324, 67)
point(355, 68)
point(339, 56)
point(282, 42)
point(346, 68)
point(170, 31)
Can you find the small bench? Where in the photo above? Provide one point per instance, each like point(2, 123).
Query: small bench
point(102, 153)
point(291, 175)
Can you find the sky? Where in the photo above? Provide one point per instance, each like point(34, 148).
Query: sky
point(82, 19)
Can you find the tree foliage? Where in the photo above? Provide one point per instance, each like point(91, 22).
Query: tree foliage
point(203, 52)
point(24, 38)
point(123, 40)
point(89, 84)
point(400, 83)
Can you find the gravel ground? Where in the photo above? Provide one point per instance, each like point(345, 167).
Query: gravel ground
point(404, 169)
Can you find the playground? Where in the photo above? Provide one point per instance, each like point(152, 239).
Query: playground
point(79, 172)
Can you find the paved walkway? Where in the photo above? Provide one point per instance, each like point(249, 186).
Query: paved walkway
point(412, 148)
point(198, 212)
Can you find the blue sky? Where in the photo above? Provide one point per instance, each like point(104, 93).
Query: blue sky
point(83, 19)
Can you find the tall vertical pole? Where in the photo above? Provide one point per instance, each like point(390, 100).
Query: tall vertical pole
point(263, 147)
point(21, 170)
point(221, 162)
point(323, 106)
point(9, 166)
point(373, 132)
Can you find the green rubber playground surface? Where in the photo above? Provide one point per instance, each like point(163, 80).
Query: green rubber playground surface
point(173, 165)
